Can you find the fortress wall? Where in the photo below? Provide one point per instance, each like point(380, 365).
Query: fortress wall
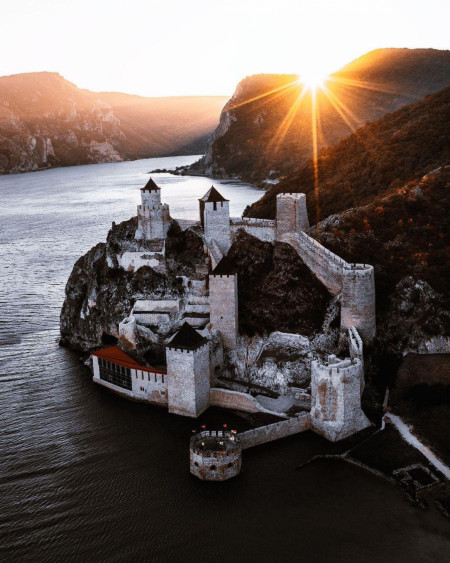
point(223, 303)
point(358, 300)
point(214, 253)
point(263, 229)
point(324, 264)
point(355, 344)
point(275, 431)
point(147, 386)
point(236, 400)
point(217, 224)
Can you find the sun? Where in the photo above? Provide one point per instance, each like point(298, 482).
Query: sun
point(312, 80)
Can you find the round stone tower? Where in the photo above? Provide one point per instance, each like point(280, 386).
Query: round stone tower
point(358, 300)
point(215, 455)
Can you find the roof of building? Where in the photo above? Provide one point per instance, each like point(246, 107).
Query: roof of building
point(117, 356)
point(150, 185)
point(187, 338)
point(224, 268)
point(213, 195)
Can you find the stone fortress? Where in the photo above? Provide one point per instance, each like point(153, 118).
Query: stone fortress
point(195, 354)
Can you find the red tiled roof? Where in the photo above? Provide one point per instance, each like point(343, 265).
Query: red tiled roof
point(117, 356)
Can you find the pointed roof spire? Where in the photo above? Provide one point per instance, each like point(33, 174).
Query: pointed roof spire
point(213, 195)
point(224, 268)
point(150, 186)
point(187, 338)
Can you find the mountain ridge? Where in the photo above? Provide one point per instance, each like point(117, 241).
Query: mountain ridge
point(266, 133)
point(46, 120)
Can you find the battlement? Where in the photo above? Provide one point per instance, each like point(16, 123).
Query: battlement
point(336, 367)
point(252, 222)
point(215, 455)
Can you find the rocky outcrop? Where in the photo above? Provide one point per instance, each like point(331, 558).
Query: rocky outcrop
point(276, 292)
point(47, 121)
point(265, 129)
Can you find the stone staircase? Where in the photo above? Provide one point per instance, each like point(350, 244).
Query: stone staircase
point(196, 310)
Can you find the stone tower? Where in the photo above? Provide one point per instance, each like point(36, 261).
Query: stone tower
point(215, 219)
point(292, 215)
point(153, 216)
point(336, 389)
point(223, 302)
point(358, 300)
point(188, 377)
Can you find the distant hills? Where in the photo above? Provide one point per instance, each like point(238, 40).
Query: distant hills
point(46, 120)
point(265, 129)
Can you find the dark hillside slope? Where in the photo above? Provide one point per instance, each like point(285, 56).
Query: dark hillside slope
point(265, 129)
point(379, 157)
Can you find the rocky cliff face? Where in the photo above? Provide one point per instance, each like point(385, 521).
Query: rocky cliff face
point(265, 129)
point(276, 290)
point(47, 121)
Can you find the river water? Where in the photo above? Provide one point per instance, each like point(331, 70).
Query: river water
point(88, 476)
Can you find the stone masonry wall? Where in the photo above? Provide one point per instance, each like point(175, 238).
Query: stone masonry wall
point(217, 224)
point(223, 303)
point(275, 431)
point(153, 222)
point(292, 215)
point(263, 229)
point(336, 398)
point(358, 300)
point(188, 380)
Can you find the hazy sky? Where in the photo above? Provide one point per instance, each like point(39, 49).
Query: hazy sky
point(176, 47)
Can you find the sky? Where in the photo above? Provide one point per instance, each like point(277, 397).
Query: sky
point(198, 47)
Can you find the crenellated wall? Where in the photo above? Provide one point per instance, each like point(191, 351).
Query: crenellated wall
point(275, 431)
point(263, 229)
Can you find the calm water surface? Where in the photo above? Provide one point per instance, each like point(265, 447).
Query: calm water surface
point(87, 476)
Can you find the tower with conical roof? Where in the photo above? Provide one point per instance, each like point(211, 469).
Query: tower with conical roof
point(215, 219)
point(188, 372)
point(153, 216)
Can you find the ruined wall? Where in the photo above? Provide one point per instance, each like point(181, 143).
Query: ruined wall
point(358, 300)
point(275, 431)
point(132, 261)
point(336, 389)
point(223, 303)
point(292, 215)
point(188, 380)
point(263, 229)
point(217, 224)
